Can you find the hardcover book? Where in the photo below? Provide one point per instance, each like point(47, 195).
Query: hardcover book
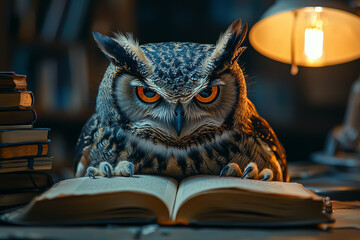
point(10, 81)
point(10, 200)
point(7, 127)
point(24, 181)
point(20, 188)
point(200, 200)
point(13, 117)
point(17, 100)
point(23, 135)
point(25, 164)
point(20, 150)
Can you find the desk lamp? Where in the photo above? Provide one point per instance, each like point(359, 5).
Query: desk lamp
point(307, 33)
point(316, 33)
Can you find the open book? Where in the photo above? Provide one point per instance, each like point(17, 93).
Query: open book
point(199, 200)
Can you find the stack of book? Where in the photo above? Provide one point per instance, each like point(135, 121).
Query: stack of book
point(23, 149)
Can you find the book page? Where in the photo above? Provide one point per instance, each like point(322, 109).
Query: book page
point(162, 187)
point(199, 184)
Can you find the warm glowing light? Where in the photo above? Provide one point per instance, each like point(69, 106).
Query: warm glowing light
point(314, 40)
point(310, 36)
point(318, 9)
point(314, 35)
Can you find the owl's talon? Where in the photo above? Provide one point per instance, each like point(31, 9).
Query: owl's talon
point(132, 169)
point(108, 172)
point(251, 171)
point(266, 175)
point(231, 170)
point(266, 178)
point(246, 172)
point(124, 168)
point(224, 170)
point(91, 173)
point(106, 169)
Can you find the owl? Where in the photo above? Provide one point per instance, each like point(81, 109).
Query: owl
point(177, 109)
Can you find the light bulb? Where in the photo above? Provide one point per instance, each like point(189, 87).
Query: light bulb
point(314, 40)
point(314, 36)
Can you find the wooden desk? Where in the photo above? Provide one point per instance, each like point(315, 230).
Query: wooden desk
point(346, 214)
point(154, 232)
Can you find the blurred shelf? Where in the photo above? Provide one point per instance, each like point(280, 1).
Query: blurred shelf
point(63, 116)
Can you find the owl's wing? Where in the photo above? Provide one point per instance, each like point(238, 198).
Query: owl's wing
point(262, 130)
point(85, 142)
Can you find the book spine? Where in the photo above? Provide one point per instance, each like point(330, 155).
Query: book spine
point(6, 121)
point(24, 128)
point(8, 151)
point(24, 143)
point(12, 83)
point(7, 84)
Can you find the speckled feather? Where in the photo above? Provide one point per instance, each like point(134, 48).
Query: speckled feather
point(177, 65)
point(227, 132)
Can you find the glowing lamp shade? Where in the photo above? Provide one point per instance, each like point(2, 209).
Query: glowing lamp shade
point(311, 36)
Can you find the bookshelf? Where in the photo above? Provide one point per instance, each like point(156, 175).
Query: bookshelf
point(51, 43)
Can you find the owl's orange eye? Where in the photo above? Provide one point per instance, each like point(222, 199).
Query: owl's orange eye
point(208, 95)
point(147, 95)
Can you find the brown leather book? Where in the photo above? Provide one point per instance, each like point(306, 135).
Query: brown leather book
point(10, 81)
point(24, 181)
point(9, 127)
point(8, 151)
point(12, 117)
point(20, 187)
point(23, 135)
point(25, 164)
point(18, 100)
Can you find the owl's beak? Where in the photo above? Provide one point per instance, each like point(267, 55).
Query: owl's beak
point(179, 121)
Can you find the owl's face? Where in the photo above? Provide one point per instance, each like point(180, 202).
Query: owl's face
point(176, 92)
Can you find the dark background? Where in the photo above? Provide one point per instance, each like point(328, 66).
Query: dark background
point(51, 42)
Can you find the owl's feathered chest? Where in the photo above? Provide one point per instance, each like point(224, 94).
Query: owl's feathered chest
point(151, 156)
point(198, 136)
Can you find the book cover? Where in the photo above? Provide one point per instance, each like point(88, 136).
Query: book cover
point(26, 164)
point(14, 117)
point(23, 135)
point(16, 100)
point(20, 150)
point(24, 181)
point(10, 81)
point(8, 127)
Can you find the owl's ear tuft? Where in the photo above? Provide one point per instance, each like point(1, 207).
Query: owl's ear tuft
point(120, 53)
point(230, 42)
point(228, 48)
